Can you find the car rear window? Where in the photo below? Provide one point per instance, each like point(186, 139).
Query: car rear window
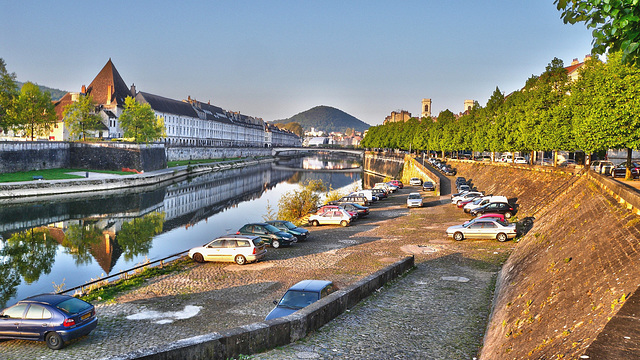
point(257, 241)
point(73, 306)
point(502, 222)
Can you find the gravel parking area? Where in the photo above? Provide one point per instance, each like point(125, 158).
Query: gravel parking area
point(438, 311)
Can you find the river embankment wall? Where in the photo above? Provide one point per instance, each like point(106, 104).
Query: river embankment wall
point(399, 166)
point(181, 153)
point(572, 272)
point(257, 337)
point(35, 155)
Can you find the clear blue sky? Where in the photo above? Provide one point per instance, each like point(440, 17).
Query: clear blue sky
point(274, 59)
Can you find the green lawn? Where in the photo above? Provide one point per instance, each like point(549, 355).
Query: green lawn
point(51, 174)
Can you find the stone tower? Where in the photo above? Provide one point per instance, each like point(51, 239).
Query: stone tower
point(426, 108)
point(468, 105)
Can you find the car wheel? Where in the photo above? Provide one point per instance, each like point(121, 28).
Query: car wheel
point(459, 202)
point(54, 341)
point(344, 223)
point(197, 257)
point(315, 223)
point(240, 260)
point(507, 215)
point(501, 237)
point(458, 236)
point(275, 244)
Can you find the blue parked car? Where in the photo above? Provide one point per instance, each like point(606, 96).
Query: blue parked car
point(48, 317)
point(291, 228)
point(300, 295)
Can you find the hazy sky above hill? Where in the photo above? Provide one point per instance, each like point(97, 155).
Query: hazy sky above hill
point(274, 59)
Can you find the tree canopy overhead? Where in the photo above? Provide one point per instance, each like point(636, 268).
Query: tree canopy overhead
point(615, 24)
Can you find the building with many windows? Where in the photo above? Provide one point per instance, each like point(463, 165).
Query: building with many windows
point(187, 122)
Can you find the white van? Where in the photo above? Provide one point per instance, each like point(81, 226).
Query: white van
point(367, 193)
point(482, 201)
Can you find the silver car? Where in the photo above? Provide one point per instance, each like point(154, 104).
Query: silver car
point(240, 249)
point(414, 200)
point(483, 229)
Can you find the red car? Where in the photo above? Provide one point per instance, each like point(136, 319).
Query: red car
point(397, 183)
point(483, 216)
point(322, 209)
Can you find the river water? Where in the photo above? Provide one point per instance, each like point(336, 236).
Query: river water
point(67, 241)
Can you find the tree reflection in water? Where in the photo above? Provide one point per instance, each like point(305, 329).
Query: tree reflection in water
point(27, 254)
point(135, 237)
point(78, 240)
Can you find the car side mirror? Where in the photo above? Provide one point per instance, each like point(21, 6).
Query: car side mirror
point(275, 302)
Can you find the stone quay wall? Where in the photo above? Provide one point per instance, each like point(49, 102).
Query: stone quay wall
point(384, 164)
point(257, 337)
point(115, 156)
point(413, 168)
point(34, 155)
point(175, 153)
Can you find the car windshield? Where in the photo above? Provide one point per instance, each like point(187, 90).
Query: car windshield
point(477, 201)
point(73, 306)
point(414, 196)
point(298, 299)
point(289, 225)
point(271, 228)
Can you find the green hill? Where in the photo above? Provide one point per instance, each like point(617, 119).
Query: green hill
point(325, 118)
point(55, 93)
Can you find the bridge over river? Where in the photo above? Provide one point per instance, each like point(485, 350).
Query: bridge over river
point(302, 150)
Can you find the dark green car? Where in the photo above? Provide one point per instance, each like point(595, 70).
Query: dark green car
point(268, 233)
point(300, 233)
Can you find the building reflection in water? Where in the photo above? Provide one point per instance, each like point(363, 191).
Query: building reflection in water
point(106, 228)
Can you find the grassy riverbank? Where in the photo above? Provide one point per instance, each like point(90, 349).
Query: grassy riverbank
point(52, 174)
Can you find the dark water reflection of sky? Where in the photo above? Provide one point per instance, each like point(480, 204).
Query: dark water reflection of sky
point(71, 241)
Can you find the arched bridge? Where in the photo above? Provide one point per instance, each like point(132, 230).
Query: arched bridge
point(302, 150)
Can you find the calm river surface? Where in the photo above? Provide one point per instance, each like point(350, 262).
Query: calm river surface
point(71, 240)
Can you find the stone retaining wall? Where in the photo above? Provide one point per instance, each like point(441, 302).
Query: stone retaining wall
point(413, 168)
point(34, 155)
point(383, 165)
point(257, 337)
point(200, 153)
point(572, 272)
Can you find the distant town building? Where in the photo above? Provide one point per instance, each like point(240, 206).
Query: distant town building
point(187, 122)
point(397, 116)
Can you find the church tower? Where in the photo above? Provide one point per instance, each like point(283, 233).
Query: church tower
point(426, 108)
point(468, 105)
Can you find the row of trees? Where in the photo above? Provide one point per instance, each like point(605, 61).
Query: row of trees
point(599, 111)
point(30, 112)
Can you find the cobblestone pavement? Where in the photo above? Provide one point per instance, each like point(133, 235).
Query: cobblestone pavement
point(445, 317)
point(438, 311)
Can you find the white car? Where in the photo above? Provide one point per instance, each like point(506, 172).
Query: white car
point(483, 229)
point(388, 187)
point(331, 217)
point(415, 181)
point(520, 160)
point(414, 200)
point(466, 196)
point(240, 249)
point(483, 201)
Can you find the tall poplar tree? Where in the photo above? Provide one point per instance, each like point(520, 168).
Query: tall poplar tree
point(8, 92)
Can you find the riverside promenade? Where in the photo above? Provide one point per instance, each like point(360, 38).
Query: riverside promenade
point(439, 310)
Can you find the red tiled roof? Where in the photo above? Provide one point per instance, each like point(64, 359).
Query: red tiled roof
point(573, 68)
point(108, 77)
